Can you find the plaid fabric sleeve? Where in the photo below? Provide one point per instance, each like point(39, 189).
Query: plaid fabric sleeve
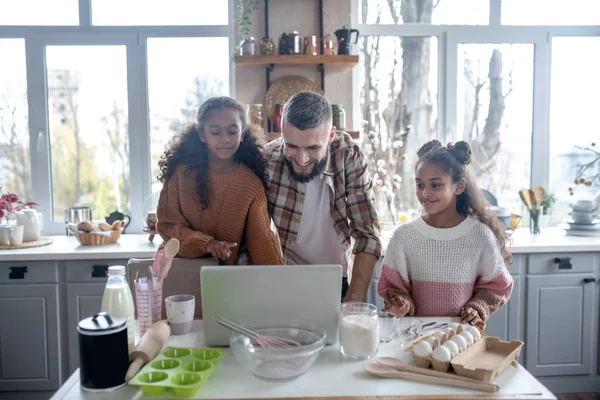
point(360, 204)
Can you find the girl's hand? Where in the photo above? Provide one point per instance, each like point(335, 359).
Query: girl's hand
point(397, 305)
point(469, 315)
point(220, 249)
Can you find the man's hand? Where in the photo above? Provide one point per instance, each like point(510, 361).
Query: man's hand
point(220, 249)
point(362, 271)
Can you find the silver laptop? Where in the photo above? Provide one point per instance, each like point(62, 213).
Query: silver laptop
point(270, 294)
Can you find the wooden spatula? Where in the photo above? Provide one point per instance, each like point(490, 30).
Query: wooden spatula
point(526, 198)
point(388, 372)
point(398, 365)
point(539, 194)
point(151, 343)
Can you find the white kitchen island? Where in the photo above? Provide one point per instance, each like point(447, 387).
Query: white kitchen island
point(332, 376)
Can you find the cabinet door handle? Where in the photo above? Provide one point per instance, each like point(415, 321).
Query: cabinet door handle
point(563, 263)
point(99, 271)
point(17, 272)
point(589, 280)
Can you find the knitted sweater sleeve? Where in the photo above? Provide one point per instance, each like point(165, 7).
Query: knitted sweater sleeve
point(394, 279)
point(493, 285)
point(172, 224)
point(262, 242)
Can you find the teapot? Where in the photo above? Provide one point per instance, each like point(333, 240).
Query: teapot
point(117, 216)
point(32, 223)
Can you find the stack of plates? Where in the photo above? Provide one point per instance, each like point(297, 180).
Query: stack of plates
point(574, 229)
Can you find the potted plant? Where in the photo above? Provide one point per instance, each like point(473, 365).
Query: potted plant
point(9, 205)
point(245, 9)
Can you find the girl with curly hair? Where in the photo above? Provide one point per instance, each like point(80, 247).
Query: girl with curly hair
point(214, 188)
point(451, 261)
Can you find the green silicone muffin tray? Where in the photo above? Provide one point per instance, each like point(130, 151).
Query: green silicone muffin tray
point(180, 370)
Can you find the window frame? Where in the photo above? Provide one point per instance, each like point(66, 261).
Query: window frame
point(450, 36)
point(135, 40)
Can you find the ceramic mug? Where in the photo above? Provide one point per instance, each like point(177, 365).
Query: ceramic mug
point(15, 235)
point(180, 312)
point(4, 229)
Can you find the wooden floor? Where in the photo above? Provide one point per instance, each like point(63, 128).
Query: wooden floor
point(579, 396)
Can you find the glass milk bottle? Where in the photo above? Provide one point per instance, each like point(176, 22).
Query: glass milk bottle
point(359, 330)
point(117, 300)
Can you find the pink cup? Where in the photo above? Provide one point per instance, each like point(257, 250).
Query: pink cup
point(180, 312)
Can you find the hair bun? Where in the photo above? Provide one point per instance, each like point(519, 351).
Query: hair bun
point(461, 151)
point(427, 147)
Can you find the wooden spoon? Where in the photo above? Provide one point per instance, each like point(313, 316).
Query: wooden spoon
point(526, 198)
point(170, 251)
point(398, 365)
point(385, 371)
point(539, 194)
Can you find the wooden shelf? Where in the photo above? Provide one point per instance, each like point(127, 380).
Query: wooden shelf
point(296, 60)
point(275, 135)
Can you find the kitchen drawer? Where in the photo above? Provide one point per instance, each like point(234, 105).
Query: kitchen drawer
point(561, 263)
point(90, 270)
point(16, 272)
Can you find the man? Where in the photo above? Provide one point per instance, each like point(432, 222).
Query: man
point(320, 194)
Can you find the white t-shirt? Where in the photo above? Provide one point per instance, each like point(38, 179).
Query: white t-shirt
point(317, 241)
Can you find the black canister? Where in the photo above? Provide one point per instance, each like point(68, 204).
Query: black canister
point(103, 352)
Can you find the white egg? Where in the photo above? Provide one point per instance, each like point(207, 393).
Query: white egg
point(464, 327)
point(454, 350)
point(449, 332)
point(475, 332)
point(423, 349)
point(442, 354)
point(440, 335)
point(453, 325)
point(460, 342)
point(433, 341)
point(468, 337)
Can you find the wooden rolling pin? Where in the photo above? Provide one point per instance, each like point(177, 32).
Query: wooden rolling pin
point(151, 343)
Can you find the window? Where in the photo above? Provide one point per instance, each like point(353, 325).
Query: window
point(399, 104)
point(550, 12)
point(573, 118)
point(438, 12)
point(159, 12)
point(176, 89)
point(39, 12)
point(88, 117)
point(15, 171)
point(494, 115)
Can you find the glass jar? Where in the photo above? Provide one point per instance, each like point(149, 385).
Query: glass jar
point(359, 330)
point(267, 46)
point(248, 46)
point(255, 114)
point(338, 117)
point(277, 115)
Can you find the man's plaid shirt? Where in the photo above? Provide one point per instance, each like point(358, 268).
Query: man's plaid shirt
point(351, 197)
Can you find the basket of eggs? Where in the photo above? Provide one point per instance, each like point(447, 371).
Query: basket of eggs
point(90, 234)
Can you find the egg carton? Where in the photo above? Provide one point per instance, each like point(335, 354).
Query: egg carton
point(483, 360)
point(179, 370)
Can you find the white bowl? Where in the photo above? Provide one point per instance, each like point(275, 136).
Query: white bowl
point(583, 217)
point(584, 205)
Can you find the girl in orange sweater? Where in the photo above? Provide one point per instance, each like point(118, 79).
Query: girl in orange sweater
point(214, 182)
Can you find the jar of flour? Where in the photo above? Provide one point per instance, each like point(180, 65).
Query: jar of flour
point(359, 330)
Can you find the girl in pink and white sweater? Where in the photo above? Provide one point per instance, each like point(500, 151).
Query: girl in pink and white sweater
point(451, 261)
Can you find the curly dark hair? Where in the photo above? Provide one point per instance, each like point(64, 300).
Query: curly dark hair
point(186, 148)
point(454, 159)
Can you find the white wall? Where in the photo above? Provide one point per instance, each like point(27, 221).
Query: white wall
point(301, 16)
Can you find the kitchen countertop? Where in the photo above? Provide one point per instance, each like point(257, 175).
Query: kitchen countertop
point(332, 376)
point(138, 246)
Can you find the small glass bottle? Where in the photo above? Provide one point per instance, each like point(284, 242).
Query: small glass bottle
point(359, 330)
point(277, 115)
point(255, 114)
point(117, 300)
point(338, 116)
